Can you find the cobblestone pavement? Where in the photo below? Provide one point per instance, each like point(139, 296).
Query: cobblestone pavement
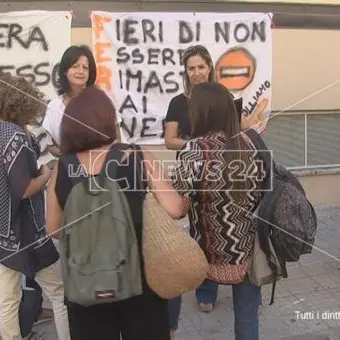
point(312, 288)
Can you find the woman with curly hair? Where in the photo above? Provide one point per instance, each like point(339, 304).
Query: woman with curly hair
point(25, 248)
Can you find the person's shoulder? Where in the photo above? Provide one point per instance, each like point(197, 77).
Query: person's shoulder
point(9, 127)
point(215, 140)
point(55, 102)
point(179, 99)
point(193, 144)
point(177, 105)
point(109, 95)
point(11, 132)
point(112, 99)
point(53, 109)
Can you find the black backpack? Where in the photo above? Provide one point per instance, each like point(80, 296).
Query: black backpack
point(285, 215)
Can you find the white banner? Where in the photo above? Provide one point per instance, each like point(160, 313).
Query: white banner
point(138, 58)
point(32, 43)
point(31, 46)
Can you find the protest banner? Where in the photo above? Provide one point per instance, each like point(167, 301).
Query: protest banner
point(139, 63)
point(31, 46)
point(32, 43)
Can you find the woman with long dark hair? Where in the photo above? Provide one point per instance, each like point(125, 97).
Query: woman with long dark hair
point(218, 169)
point(198, 68)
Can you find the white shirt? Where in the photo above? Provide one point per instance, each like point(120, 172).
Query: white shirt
point(54, 114)
point(52, 121)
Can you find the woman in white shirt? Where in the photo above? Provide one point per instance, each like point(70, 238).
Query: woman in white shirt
point(77, 70)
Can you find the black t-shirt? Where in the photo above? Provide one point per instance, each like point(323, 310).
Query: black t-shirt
point(127, 170)
point(178, 111)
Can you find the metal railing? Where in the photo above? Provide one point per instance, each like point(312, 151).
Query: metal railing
point(305, 139)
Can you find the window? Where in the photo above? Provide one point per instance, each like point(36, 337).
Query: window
point(305, 139)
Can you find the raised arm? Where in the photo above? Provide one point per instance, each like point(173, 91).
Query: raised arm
point(171, 136)
point(175, 205)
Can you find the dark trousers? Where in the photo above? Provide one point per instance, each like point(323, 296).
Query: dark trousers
point(141, 317)
point(30, 307)
point(174, 309)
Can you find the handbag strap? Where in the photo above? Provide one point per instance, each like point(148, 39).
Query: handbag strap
point(269, 164)
point(141, 182)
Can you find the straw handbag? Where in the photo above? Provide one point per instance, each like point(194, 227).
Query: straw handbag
point(174, 262)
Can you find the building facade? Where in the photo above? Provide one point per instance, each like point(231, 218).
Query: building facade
point(304, 130)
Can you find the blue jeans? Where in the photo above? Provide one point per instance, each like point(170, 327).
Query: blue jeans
point(246, 300)
point(207, 292)
point(174, 311)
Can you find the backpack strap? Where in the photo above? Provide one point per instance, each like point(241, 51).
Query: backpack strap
point(113, 157)
point(262, 149)
point(114, 154)
point(140, 176)
point(140, 170)
point(264, 227)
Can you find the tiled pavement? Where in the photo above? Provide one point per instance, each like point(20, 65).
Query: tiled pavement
point(313, 287)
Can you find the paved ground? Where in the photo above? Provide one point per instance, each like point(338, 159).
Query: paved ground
point(312, 288)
